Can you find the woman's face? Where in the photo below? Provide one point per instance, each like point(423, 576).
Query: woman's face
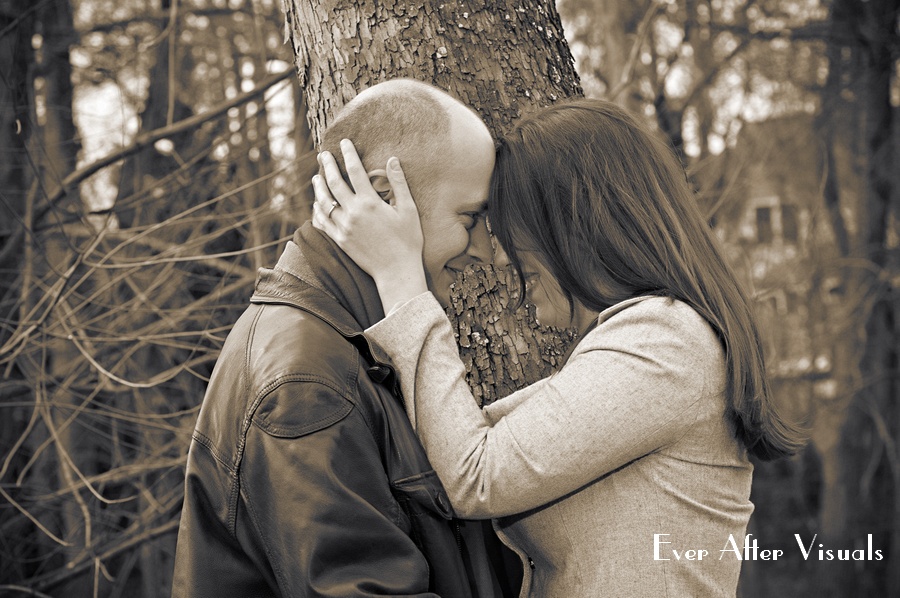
point(550, 304)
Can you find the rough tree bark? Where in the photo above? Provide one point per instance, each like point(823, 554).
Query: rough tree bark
point(501, 58)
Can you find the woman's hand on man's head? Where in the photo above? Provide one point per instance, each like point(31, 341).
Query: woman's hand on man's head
point(378, 229)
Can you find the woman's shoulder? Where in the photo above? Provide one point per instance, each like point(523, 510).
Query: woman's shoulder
point(652, 307)
point(664, 338)
point(656, 320)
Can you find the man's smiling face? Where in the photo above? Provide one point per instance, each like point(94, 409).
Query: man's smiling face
point(453, 223)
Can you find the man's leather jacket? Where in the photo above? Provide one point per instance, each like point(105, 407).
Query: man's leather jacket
point(304, 477)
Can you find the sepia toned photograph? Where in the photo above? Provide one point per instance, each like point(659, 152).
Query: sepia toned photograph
point(532, 299)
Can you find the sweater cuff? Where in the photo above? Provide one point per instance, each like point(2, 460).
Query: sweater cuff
point(405, 328)
point(402, 335)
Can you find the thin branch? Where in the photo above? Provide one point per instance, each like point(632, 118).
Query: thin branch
point(76, 568)
point(714, 72)
point(216, 258)
point(22, 16)
point(24, 590)
point(814, 30)
point(117, 476)
point(54, 295)
point(156, 17)
point(35, 413)
point(149, 138)
point(643, 31)
point(156, 380)
point(181, 215)
point(172, 29)
point(162, 246)
point(33, 519)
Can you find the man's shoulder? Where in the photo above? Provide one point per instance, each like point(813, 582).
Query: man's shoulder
point(283, 369)
point(287, 369)
point(290, 344)
point(273, 345)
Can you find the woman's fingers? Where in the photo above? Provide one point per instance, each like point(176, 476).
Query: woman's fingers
point(381, 238)
point(322, 221)
point(325, 202)
point(403, 202)
point(356, 172)
point(342, 192)
point(318, 219)
point(403, 199)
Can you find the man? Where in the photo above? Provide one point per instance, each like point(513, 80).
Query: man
point(304, 477)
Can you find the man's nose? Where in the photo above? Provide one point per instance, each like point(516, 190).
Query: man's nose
point(479, 249)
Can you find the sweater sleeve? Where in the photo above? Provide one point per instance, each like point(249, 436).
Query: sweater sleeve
point(630, 388)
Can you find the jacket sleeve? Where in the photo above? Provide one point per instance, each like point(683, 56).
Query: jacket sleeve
point(316, 493)
point(632, 386)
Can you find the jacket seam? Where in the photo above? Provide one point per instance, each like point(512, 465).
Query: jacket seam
point(352, 368)
point(205, 442)
point(275, 297)
point(361, 362)
point(279, 574)
point(304, 377)
point(242, 437)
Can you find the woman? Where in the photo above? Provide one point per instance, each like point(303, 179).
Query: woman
point(603, 475)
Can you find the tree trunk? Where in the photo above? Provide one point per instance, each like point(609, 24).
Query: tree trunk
point(39, 149)
point(502, 59)
point(16, 175)
point(59, 138)
point(147, 167)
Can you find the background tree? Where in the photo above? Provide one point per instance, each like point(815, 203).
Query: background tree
point(865, 49)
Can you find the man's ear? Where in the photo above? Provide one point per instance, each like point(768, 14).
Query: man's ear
point(381, 184)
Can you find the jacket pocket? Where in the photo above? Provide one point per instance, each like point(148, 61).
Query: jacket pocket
point(298, 407)
point(425, 489)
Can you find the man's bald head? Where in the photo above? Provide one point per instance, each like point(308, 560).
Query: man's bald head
point(447, 155)
point(405, 118)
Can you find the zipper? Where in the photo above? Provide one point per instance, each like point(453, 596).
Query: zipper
point(527, 563)
point(457, 534)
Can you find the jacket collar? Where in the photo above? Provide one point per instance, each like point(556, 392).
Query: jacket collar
point(315, 275)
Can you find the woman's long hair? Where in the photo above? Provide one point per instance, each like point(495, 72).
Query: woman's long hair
point(607, 208)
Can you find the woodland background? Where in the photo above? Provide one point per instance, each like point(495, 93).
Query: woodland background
point(154, 153)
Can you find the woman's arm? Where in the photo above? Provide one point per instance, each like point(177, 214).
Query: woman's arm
point(631, 387)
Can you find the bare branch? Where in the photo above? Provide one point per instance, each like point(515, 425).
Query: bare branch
point(24, 590)
point(157, 17)
point(151, 137)
point(814, 30)
point(74, 569)
point(642, 32)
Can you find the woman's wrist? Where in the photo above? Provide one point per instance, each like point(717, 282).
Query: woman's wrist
point(400, 287)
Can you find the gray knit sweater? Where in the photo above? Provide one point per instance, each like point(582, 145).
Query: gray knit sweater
point(602, 476)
